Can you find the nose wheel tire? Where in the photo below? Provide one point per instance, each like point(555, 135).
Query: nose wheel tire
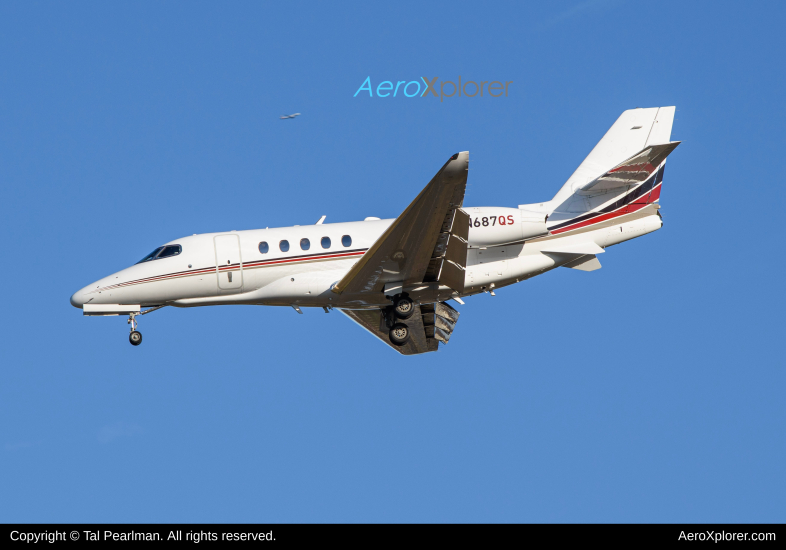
point(403, 307)
point(135, 338)
point(399, 334)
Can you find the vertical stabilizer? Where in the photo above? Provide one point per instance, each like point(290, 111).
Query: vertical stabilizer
point(633, 131)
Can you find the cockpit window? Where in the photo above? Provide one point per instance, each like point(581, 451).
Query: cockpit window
point(151, 256)
point(170, 250)
point(162, 252)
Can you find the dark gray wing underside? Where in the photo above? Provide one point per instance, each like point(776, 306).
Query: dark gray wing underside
point(428, 325)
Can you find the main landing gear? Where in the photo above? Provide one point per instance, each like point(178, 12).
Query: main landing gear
point(402, 309)
point(403, 306)
point(136, 337)
point(399, 334)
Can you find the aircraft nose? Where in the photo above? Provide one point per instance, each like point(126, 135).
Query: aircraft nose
point(78, 298)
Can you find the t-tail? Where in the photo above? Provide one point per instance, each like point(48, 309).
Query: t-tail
point(622, 175)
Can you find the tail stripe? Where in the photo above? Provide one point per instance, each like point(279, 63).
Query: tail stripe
point(644, 189)
point(627, 209)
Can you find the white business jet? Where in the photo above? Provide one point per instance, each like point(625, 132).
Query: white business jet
point(394, 277)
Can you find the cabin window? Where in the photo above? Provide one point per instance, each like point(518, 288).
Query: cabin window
point(346, 240)
point(263, 248)
point(305, 244)
point(169, 251)
point(284, 246)
point(325, 242)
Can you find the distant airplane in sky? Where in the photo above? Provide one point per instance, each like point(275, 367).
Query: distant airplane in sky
point(290, 116)
point(394, 277)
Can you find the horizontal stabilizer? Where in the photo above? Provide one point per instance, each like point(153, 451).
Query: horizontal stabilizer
point(632, 171)
point(584, 263)
point(580, 249)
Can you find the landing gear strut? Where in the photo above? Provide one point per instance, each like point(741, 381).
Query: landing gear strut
point(136, 337)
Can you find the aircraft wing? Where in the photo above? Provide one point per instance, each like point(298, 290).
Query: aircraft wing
point(632, 171)
point(429, 325)
point(426, 243)
point(373, 320)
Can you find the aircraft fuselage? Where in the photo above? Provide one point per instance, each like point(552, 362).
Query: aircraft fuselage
point(236, 268)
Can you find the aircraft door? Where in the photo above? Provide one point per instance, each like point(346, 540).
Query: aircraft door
point(229, 266)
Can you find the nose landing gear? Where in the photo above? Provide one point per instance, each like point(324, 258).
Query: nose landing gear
point(136, 337)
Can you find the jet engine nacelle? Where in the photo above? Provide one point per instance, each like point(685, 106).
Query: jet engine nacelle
point(490, 226)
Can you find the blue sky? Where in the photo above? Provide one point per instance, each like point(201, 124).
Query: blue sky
point(650, 390)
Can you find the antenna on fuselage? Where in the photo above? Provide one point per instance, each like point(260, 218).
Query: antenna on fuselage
point(321, 220)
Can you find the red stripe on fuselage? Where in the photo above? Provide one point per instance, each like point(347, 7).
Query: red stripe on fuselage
point(301, 259)
point(235, 267)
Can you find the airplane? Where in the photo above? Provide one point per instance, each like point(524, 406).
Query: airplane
point(289, 116)
point(394, 277)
